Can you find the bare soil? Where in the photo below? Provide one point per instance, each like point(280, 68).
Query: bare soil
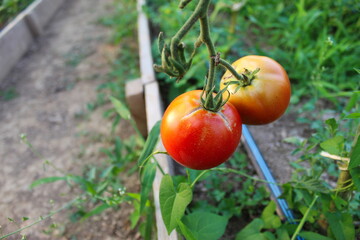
point(53, 84)
point(276, 152)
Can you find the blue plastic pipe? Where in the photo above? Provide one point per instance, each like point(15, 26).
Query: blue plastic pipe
point(274, 188)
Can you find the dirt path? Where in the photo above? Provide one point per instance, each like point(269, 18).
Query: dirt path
point(53, 83)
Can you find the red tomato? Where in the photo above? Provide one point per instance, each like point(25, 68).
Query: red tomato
point(267, 96)
point(197, 138)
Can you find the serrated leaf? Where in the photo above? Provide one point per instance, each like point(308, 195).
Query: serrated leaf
point(313, 236)
point(46, 180)
point(121, 108)
point(147, 179)
point(150, 143)
point(205, 225)
point(270, 219)
point(173, 203)
point(333, 145)
point(355, 155)
point(312, 184)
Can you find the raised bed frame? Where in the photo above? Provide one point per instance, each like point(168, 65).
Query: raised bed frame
point(17, 36)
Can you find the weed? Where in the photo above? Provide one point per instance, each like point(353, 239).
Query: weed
point(8, 94)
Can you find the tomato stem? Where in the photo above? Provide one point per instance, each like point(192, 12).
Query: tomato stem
point(199, 176)
point(175, 64)
point(200, 9)
point(228, 66)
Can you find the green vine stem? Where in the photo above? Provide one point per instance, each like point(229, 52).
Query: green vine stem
point(228, 66)
point(304, 218)
point(200, 10)
point(344, 182)
point(201, 13)
point(67, 205)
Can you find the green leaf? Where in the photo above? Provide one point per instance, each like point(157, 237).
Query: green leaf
point(352, 116)
point(150, 144)
point(355, 175)
point(341, 225)
point(355, 155)
point(45, 180)
point(312, 214)
point(252, 231)
point(173, 203)
point(135, 215)
point(147, 179)
point(282, 233)
point(313, 236)
point(205, 225)
point(120, 108)
point(96, 211)
point(186, 231)
point(333, 145)
point(269, 218)
point(312, 184)
point(294, 140)
point(332, 125)
point(352, 102)
point(149, 223)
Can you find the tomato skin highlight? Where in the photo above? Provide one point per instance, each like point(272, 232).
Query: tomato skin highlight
point(267, 97)
point(197, 138)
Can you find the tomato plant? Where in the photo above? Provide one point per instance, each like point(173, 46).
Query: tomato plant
point(264, 94)
point(198, 138)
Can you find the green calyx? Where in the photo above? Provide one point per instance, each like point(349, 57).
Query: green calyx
point(214, 103)
point(243, 79)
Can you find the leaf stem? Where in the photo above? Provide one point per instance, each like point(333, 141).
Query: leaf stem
point(303, 220)
point(231, 69)
point(199, 176)
point(151, 156)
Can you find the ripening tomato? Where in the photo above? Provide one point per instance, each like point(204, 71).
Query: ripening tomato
point(267, 95)
point(197, 138)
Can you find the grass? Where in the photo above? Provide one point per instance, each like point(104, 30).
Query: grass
point(10, 8)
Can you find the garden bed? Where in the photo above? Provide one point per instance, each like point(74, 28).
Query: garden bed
point(154, 101)
point(17, 35)
point(269, 138)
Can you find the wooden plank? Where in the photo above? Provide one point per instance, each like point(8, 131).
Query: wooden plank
point(15, 39)
point(17, 36)
point(134, 92)
point(146, 61)
point(39, 13)
point(154, 113)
